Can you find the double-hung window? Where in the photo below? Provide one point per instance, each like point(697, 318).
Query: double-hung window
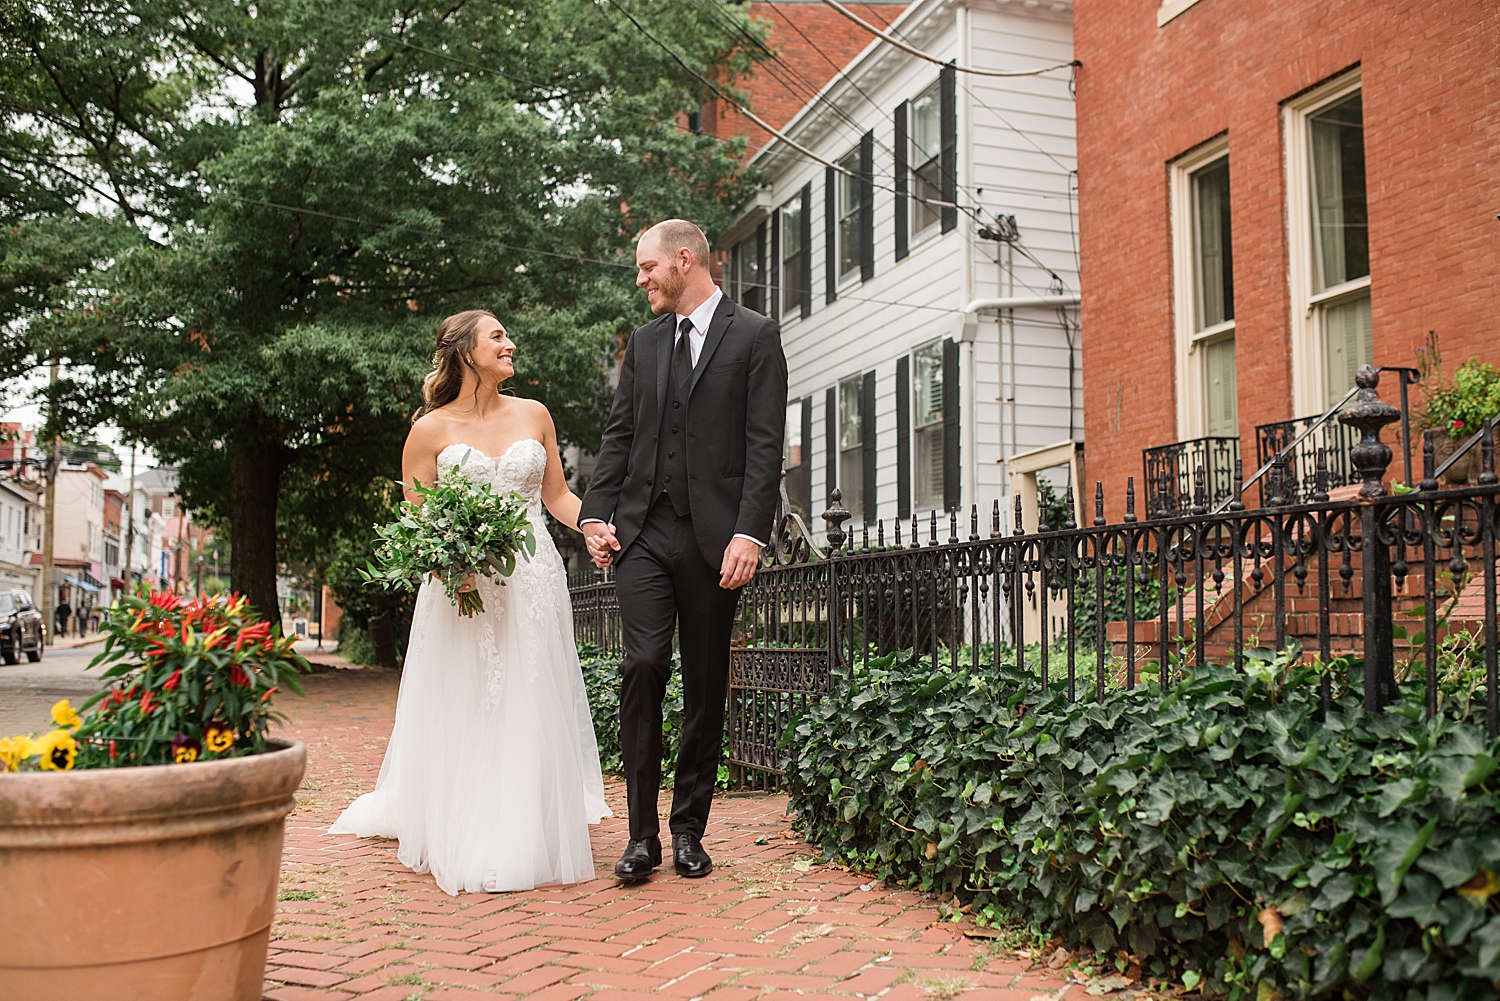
point(847, 215)
point(796, 456)
point(1328, 223)
point(851, 447)
point(1203, 279)
point(746, 271)
point(926, 161)
point(795, 231)
point(927, 424)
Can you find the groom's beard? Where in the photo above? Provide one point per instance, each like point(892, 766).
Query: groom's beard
point(668, 292)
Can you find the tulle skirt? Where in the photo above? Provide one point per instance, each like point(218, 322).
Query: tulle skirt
point(492, 766)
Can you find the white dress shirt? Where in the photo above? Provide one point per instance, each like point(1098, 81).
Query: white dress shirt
point(700, 317)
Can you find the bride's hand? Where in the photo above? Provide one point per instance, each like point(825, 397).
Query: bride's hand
point(470, 583)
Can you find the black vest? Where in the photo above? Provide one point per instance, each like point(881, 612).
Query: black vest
point(671, 449)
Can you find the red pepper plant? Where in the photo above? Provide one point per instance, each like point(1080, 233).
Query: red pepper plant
point(189, 680)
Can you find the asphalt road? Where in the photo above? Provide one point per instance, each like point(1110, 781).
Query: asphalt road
point(28, 691)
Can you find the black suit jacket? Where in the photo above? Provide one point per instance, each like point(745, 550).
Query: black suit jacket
point(736, 417)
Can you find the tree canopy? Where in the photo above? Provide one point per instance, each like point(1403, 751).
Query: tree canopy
point(238, 223)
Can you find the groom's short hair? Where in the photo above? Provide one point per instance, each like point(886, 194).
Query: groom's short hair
point(673, 235)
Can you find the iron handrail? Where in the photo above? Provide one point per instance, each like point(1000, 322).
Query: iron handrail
point(1463, 449)
point(1223, 505)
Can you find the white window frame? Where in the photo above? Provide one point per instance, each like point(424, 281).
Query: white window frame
point(851, 387)
point(1191, 395)
point(791, 206)
point(1170, 9)
point(1308, 382)
point(919, 235)
point(844, 182)
point(919, 430)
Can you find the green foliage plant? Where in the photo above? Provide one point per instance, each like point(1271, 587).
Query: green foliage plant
point(1458, 407)
point(460, 528)
point(1220, 831)
point(237, 225)
point(188, 680)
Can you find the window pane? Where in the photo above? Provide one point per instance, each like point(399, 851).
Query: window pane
point(926, 191)
point(849, 433)
point(1221, 408)
point(791, 229)
point(848, 244)
point(1341, 238)
point(851, 484)
point(926, 134)
point(791, 451)
point(1213, 269)
point(1347, 344)
point(928, 385)
point(791, 285)
point(929, 467)
point(848, 215)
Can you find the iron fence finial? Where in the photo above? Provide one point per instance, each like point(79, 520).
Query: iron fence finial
point(1368, 414)
point(835, 516)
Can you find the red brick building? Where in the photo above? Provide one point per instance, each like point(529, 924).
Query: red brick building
point(1269, 196)
point(811, 42)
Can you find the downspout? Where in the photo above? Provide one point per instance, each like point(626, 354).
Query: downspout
point(965, 127)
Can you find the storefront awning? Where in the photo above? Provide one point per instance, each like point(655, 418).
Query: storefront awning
point(83, 584)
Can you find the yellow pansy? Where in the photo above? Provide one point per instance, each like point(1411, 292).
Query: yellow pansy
point(63, 715)
point(58, 750)
point(11, 752)
point(218, 738)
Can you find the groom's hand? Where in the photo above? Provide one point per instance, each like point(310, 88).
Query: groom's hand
point(739, 563)
point(601, 542)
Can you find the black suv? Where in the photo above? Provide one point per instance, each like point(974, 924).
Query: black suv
point(20, 627)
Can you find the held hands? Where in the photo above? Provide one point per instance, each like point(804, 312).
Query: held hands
point(739, 563)
point(601, 542)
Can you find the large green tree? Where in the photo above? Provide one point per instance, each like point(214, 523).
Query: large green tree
point(305, 187)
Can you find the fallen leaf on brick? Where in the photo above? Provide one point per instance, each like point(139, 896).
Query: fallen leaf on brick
point(975, 931)
point(1106, 984)
point(1059, 959)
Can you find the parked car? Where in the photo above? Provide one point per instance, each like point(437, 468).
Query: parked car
point(20, 627)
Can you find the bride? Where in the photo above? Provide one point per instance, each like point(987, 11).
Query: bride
point(491, 778)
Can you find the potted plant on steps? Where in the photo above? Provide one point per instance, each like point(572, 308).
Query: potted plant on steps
point(1455, 409)
point(142, 839)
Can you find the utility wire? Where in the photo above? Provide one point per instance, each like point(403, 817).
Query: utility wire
point(886, 36)
point(421, 232)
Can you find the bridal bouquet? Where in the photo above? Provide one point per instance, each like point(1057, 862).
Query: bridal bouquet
point(461, 528)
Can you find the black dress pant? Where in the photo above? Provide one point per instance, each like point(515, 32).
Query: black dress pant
point(663, 582)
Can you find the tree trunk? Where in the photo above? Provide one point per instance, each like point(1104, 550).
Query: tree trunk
point(254, 484)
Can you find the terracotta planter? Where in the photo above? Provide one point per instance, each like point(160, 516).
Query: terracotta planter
point(1465, 470)
point(144, 884)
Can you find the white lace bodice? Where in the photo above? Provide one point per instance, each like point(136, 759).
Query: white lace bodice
point(538, 584)
point(520, 468)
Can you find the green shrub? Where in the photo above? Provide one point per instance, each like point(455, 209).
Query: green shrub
point(1219, 831)
point(601, 678)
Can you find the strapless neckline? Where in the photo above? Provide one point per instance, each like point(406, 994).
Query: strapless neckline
point(485, 455)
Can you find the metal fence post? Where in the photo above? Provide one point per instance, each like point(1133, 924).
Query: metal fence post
point(1370, 456)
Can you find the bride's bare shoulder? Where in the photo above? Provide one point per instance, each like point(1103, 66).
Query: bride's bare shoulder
point(429, 432)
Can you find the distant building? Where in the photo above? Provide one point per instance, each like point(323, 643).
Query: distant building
point(1272, 195)
point(114, 517)
point(78, 536)
point(20, 509)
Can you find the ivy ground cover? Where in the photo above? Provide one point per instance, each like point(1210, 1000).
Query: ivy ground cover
point(1221, 831)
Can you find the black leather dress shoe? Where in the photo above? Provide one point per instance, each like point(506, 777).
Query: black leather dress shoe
point(639, 859)
point(689, 858)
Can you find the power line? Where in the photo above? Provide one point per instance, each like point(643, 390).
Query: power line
point(421, 232)
point(886, 36)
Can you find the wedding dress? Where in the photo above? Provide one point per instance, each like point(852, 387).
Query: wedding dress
point(491, 778)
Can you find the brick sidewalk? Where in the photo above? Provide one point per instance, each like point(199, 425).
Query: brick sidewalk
point(767, 924)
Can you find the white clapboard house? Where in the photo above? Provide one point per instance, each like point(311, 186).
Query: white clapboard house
point(927, 292)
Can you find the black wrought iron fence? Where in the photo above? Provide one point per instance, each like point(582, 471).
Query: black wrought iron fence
point(1199, 472)
point(1404, 585)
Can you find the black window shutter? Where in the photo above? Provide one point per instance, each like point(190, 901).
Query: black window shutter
point(773, 283)
point(805, 270)
point(830, 235)
point(948, 130)
point(902, 180)
point(806, 485)
point(952, 471)
point(867, 206)
point(903, 437)
point(867, 447)
point(831, 429)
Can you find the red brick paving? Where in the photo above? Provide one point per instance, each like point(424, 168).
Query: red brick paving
point(757, 929)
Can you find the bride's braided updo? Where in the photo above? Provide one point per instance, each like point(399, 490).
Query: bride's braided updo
point(456, 337)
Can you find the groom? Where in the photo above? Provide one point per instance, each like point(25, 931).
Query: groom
point(682, 499)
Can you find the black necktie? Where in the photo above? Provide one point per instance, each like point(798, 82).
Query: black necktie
point(682, 357)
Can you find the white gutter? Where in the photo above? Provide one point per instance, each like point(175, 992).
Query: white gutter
point(1022, 301)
